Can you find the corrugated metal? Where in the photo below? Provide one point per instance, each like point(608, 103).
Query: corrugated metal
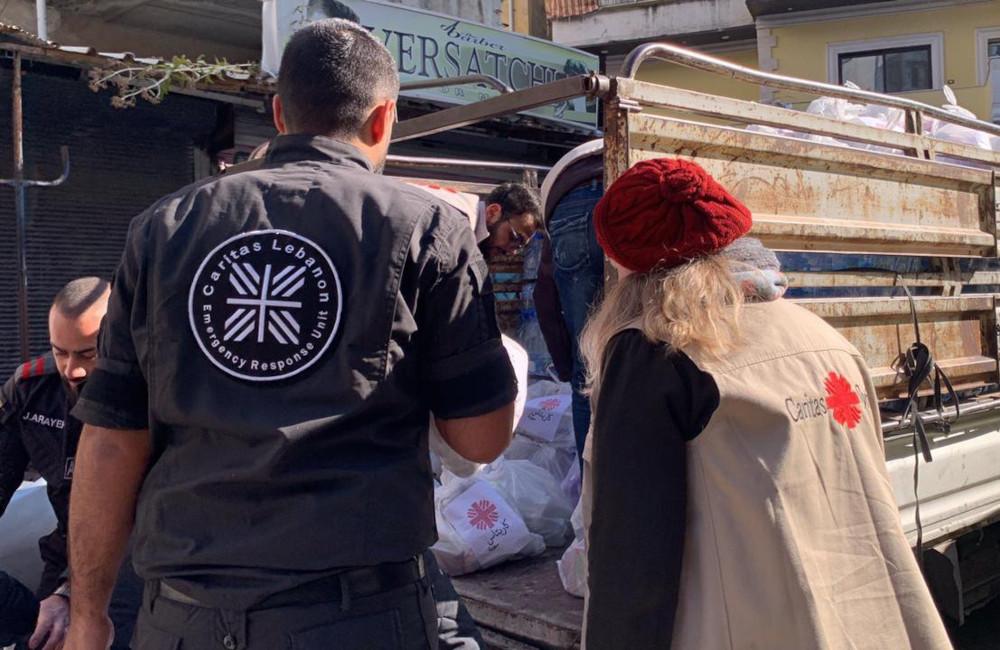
point(122, 161)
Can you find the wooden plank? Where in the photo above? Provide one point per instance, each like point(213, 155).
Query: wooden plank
point(499, 641)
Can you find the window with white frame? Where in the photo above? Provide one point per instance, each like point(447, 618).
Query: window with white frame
point(888, 65)
point(987, 47)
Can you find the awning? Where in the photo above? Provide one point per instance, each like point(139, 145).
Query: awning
point(569, 8)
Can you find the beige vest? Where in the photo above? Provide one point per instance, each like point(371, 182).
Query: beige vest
point(793, 534)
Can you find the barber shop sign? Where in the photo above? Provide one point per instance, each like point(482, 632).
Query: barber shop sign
point(429, 45)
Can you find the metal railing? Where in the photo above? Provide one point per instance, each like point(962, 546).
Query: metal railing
point(484, 79)
point(698, 61)
point(419, 161)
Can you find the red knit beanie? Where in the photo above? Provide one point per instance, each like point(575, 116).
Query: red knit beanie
point(664, 212)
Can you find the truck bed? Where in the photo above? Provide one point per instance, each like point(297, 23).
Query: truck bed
point(522, 604)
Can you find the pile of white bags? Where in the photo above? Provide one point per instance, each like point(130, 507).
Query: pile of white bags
point(536, 494)
point(522, 502)
point(478, 527)
point(507, 510)
point(892, 119)
point(544, 435)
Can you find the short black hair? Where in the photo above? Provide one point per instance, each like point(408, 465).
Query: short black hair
point(332, 72)
point(79, 295)
point(334, 9)
point(516, 198)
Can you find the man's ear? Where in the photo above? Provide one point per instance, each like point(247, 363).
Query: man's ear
point(494, 211)
point(279, 115)
point(380, 122)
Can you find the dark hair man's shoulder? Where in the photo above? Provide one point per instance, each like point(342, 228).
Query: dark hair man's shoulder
point(34, 372)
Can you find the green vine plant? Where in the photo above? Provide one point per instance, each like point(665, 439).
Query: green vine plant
point(153, 82)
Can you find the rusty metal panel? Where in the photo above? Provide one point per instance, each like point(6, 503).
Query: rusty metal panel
point(617, 151)
point(960, 331)
point(807, 196)
point(743, 112)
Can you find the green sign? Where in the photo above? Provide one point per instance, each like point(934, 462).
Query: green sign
point(428, 45)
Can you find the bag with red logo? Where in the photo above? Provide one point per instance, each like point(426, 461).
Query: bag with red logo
point(536, 494)
point(477, 527)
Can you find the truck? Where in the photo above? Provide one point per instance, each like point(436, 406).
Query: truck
point(898, 234)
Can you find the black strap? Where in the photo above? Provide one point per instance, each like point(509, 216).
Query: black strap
point(917, 363)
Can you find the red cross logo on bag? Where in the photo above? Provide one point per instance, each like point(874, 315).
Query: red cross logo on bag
point(843, 401)
point(482, 514)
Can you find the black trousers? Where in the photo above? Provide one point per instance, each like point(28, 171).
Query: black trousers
point(399, 619)
point(456, 629)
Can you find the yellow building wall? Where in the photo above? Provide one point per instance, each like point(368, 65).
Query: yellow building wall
point(529, 17)
point(801, 50)
point(669, 74)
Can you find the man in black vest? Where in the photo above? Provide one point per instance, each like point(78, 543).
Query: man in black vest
point(274, 344)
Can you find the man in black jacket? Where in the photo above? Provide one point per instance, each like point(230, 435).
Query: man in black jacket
point(36, 428)
point(35, 424)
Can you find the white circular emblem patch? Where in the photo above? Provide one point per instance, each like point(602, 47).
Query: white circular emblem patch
point(265, 305)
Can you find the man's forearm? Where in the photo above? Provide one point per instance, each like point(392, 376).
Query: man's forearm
point(110, 466)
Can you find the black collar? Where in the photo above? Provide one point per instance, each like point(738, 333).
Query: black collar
point(292, 148)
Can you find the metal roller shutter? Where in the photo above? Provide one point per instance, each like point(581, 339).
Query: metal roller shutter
point(121, 162)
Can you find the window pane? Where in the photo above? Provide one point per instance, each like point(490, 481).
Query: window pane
point(863, 69)
point(891, 70)
point(994, 48)
point(908, 70)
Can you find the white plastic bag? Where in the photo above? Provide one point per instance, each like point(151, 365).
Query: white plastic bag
point(572, 485)
point(478, 527)
point(573, 565)
point(28, 517)
point(547, 418)
point(573, 569)
point(545, 387)
point(535, 494)
point(955, 133)
point(554, 458)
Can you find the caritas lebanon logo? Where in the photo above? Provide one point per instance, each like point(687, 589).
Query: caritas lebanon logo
point(843, 401)
point(482, 514)
point(265, 305)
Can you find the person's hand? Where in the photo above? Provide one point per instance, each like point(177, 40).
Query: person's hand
point(53, 620)
point(90, 634)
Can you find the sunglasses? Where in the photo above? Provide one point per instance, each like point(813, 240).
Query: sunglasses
point(518, 241)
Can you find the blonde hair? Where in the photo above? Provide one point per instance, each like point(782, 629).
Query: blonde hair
point(694, 306)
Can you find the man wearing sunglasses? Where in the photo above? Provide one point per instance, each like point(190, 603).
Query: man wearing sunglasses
point(508, 219)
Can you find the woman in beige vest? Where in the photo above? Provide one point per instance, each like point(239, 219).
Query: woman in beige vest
point(737, 475)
